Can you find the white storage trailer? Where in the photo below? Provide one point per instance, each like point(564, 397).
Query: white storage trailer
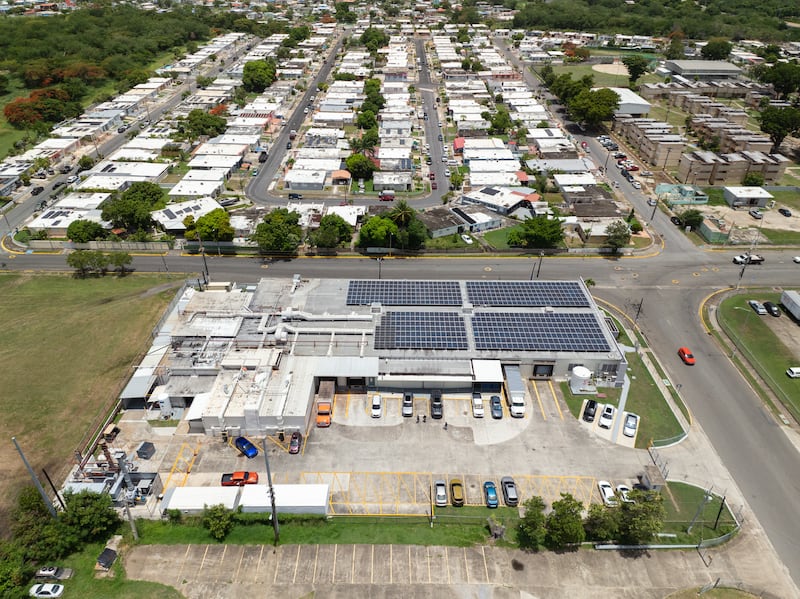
point(515, 390)
point(791, 301)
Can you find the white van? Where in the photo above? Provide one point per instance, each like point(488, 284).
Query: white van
point(377, 406)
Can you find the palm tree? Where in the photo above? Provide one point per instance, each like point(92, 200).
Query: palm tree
point(402, 213)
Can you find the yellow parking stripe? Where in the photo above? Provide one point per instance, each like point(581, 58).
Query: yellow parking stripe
point(555, 399)
point(539, 399)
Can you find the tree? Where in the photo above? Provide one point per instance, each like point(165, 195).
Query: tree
point(564, 525)
point(618, 235)
point(215, 226)
point(640, 521)
point(218, 520)
point(402, 213)
point(691, 218)
point(258, 75)
point(332, 231)
point(83, 231)
point(717, 48)
point(85, 162)
point(377, 232)
point(199, 122)
point(280, 231)
point(675, 49)
point(592, 107)
point(120, 261)
point(81, 261)
point(753, 180)
point(784, 77)
point(636, 65)
point(531, 527)
point(366, 120)
point(779, 123)
point(90, 515)
point(500, 121)
point(602, 523)
point(537, 232)
point(131, 210)
point(360, 166)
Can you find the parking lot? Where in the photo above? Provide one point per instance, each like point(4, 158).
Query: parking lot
point(387, 465)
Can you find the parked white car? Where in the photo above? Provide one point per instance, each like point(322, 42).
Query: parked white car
point(622, 491)
point(630, 426)
point(607, 493)
point(377, 406)
point(607, 417)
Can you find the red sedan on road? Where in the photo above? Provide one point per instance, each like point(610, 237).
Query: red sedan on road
point(685, 354)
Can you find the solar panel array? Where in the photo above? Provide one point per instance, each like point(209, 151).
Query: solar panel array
point(404, 293)
point(567, 294)
point(421, 330)
point(538, 332)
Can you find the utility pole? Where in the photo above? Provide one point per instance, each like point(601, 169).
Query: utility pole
point(539, 267)
point(275, 525)
point(48, 504)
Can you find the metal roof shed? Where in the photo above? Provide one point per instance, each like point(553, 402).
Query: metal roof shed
point(289, 499)
point(193, 500)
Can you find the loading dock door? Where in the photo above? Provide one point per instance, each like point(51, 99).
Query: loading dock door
point(542, 370)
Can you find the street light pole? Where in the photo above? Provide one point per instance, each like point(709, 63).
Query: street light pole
point(380, 260)
point(275, 526)
point(539, 267)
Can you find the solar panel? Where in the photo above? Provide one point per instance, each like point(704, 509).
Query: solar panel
point(538, 332)
point(421, 330)
point(565, 294)
point(404, 293)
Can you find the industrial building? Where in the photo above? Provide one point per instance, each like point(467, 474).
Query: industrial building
point(250, 360)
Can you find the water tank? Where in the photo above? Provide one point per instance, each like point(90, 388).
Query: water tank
point(580, 380)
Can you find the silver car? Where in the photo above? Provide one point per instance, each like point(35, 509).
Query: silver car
point(408, 405)
point(630, 426)
point(440, 493)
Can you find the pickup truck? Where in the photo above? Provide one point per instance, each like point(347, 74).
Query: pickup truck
point(53, 573)
point(748, 259)
point(237, 479)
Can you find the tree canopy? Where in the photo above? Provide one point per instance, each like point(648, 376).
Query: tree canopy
point(333, 230)
point(716, 49)
point(592, 107)
point(131, 210)
point(258, 75)
point(618, 235)
point(636, 65)
point(779, 123)
point(199, 122)
point(377, 232)
point(537, 232)
point(360, 166)
point(82, 231)
point(280, 231)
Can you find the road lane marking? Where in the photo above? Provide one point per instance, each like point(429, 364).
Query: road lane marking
point(203, 561)
point(428, 557)
point(333, 576)
point(372, 565)
point(277, 562)
point(239, 567)
point(353, 567)
point(466, 565)
point(224, 550)
point(485, 566)
point(447, 564)
point(316, 558)
point(391, 564)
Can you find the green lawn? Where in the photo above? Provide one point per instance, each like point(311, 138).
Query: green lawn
point(769, 355)
point(782, 237)
point(454, 527)
point(682, 502)
point(498, 238)
point(601, 79)
point(448, 242)
point(67, 347)
point(85, 585)
point(644, 398)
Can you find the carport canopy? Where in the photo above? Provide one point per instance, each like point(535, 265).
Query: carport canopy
point(487, 371)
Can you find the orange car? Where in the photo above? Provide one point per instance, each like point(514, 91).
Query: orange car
point(685, 354)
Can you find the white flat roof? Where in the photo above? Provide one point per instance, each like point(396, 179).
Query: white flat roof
point(749, 192)
point(196, 498)
point(487, 371)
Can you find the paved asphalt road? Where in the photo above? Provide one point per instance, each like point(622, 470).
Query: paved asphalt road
point(670, 287)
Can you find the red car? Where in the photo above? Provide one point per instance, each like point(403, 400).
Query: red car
point(434, 185)
point(685, 354)
point(431, 175)
point(633, 167)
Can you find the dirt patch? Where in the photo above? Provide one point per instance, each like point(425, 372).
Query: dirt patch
point(612, 69)
point(744, 228)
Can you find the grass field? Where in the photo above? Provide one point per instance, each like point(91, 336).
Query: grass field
point(455, 527)
point(756, 340)
point(67, 347)
point(682, 503)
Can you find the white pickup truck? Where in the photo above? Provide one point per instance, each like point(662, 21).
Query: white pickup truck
point(748, 259)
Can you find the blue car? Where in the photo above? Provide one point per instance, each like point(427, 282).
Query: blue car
point(490, 493)
point(247, 448)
